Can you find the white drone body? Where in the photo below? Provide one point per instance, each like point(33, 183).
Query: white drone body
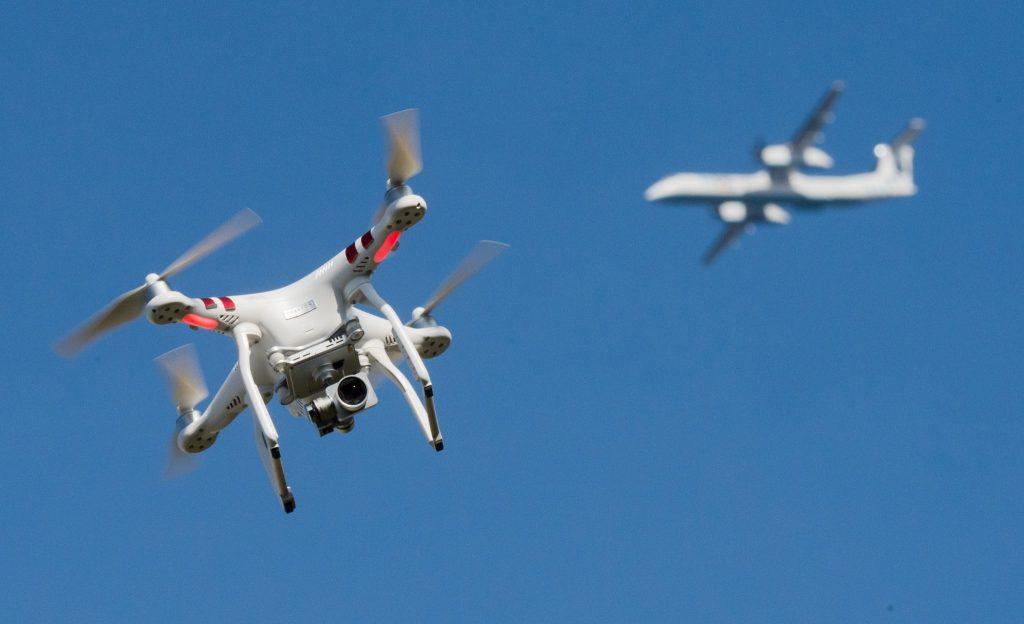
point(307, 342)
point(744, 199)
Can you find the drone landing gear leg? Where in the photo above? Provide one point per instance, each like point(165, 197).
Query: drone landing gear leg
point(415, 361)
point(263, 427)
point(425, 416)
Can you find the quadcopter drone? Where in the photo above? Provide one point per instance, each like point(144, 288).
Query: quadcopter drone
point(307, 342)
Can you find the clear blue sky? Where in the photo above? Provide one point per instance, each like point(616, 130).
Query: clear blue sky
point(824, 424)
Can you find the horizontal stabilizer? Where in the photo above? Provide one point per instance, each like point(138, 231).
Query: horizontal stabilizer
point(914, 128)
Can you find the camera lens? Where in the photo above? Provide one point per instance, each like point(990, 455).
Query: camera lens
point(352, 390)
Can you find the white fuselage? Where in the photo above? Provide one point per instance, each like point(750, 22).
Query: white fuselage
point(782, 187)
point(742, 200)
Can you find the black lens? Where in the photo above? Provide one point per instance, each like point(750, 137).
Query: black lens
point(352, 390)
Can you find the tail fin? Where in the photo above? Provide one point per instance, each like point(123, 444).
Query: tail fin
point(898, 155)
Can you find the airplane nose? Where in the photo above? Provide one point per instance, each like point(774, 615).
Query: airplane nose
point(656, 191)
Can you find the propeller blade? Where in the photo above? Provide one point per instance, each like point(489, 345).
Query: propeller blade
point(181, 368)
point(118, 312)
point(229, 231)
point(759, 144)
point(131, 304)
point(178, 461)
point(404, 160)
point(484, 252)
point(377, 216)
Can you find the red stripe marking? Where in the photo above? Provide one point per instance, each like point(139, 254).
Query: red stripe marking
point(209, 303)
point(351, 253)
point(229, 305)
point(366, 240)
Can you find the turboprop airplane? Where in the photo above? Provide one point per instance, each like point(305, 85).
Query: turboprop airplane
point(742, 200)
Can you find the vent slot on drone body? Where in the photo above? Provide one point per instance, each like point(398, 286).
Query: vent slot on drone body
point(236, 403)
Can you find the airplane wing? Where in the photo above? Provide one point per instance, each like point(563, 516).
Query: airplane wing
point(821, 116)
point(729, 235)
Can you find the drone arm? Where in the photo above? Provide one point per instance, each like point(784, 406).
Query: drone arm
point(415, 360)
point(425, 418)
point(223, 407)
point(263, 426)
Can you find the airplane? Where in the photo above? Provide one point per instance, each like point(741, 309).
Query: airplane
point(742, 200)
point(306, 342)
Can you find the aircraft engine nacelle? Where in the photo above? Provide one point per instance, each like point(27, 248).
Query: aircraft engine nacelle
point(774, 213)
point(781, 155)
point(816, 157)
point(778, 155)
point(732, 211)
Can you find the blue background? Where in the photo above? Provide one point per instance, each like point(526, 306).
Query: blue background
point(823, 426)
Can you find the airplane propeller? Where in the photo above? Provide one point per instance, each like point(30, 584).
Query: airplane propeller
point(184, 377)
point(759, 144)
point(478, 258)
point(130, 305)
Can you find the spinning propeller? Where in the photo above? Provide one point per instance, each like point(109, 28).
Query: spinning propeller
point(131, 304)
point(404, 159)
point(181, 368)
point(477, 259)
point(257, 338)
point(403, 162)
